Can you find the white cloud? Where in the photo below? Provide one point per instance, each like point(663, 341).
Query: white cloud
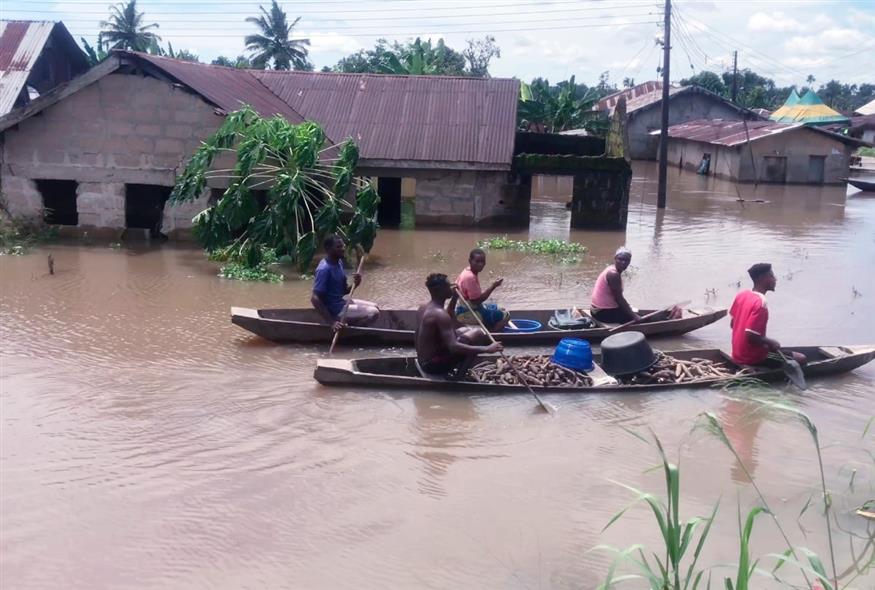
point(776, 22)
point(331, 43)
point(830, 40)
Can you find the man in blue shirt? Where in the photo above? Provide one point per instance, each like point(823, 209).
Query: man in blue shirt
point(330, 288)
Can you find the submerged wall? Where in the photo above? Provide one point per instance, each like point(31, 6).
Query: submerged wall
point(689, 106)
point(122, 129)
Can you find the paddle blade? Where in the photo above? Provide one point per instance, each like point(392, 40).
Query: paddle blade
point(794, 372)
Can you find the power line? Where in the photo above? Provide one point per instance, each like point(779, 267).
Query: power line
point(411, 33)
point(418, 19)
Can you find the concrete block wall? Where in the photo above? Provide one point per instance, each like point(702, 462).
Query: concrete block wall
point(600, 200)
point(468, 197)
point(682, 108)
point(124, 128)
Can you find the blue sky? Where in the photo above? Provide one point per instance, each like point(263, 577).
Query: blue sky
point(784, 40)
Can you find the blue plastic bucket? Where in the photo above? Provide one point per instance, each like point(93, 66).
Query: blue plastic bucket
point(524, 326)
point(573, 353)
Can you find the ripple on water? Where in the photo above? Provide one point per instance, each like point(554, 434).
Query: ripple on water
point(147, 442)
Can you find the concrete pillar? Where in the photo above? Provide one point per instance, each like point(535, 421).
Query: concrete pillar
point(177, 218)
point(21, 196)
point(101, 205)
point(600, 199)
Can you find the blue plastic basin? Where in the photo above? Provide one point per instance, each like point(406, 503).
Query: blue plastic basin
point(573, 353)
point(524, 326)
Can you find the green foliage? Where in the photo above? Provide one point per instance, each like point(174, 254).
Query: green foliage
point(125, 28)
point(677, 568)
point(95, 54)
point(755, 91)
point(241, 272)
point(566, 252)
point(273, 43)
point(708, 81)
point(241, 62)
point(306, 192)
point(19, 234)
point(543, 110)
point(866, 152)
point(413, 58)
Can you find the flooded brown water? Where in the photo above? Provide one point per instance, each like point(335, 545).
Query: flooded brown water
point(148, 443)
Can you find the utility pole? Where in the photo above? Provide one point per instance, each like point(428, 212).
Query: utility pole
point(734, 75)
point(663, 133)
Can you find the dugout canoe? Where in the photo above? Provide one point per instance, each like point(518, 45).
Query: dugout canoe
point(395, 327)
point(402, 372)
point(864, 184)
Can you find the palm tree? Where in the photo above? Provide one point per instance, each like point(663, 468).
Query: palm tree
point(273, 43)
point(125, 28)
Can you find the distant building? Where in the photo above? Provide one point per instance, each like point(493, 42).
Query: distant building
point(863, 128)
point(866, 109)
point(35, 56)
point(762, 151)
point(686, 103)
point(807, 109)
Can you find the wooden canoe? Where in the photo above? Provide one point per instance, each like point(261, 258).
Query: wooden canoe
point(864, 184)
point(395, 327)
point(401, 372)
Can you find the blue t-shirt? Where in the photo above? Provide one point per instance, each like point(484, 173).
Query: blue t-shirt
point(330, 285)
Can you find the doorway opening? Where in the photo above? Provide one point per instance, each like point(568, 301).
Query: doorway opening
point(775, 169)
point(816, 166)
point(144, 206)
point(389, 209)
point(59, 201)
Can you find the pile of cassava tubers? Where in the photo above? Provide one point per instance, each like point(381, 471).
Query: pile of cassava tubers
point(538, 371)
point(668, 369)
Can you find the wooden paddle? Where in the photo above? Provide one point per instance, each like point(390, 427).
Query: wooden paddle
point(346, 307)
point(649, 315)
point(544, 405)
point(793, 371)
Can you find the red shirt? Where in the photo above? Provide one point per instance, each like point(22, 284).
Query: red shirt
point(749, 314)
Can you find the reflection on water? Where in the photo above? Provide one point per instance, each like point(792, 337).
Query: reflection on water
point(147, 442)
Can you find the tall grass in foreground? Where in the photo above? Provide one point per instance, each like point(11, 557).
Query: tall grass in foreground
point(676, 568)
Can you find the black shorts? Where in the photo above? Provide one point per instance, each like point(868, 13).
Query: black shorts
point(443, 365)
point(611, 316)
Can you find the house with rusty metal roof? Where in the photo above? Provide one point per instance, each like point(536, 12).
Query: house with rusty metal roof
point(104, 149)
point(761, 151)
point(686, 103)
point(35, 56)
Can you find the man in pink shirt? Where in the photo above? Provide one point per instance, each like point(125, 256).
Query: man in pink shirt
point(750, 318)
point(493, 317)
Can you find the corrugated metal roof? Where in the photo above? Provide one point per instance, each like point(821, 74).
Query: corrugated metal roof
point(607, 103)
point(228, 88)
point(21, 43)
point(420, 118)
point(728, 133)
point(733, 133)
point(867, 109)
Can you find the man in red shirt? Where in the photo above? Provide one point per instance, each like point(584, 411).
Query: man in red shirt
point(750, 317)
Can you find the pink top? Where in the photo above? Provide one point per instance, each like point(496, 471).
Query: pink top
point(602, 296)
point(469, 284)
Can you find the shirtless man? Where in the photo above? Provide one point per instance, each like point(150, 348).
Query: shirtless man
point(441, 347)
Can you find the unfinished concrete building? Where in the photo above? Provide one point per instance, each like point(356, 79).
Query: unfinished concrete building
point(686, 103)
point(762, 151)
point(104, 150)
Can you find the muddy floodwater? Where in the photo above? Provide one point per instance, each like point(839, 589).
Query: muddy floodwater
point(149, 443)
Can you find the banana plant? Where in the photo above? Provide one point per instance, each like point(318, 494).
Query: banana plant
point(307, 182)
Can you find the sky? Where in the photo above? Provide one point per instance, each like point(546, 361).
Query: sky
point(783, 40)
